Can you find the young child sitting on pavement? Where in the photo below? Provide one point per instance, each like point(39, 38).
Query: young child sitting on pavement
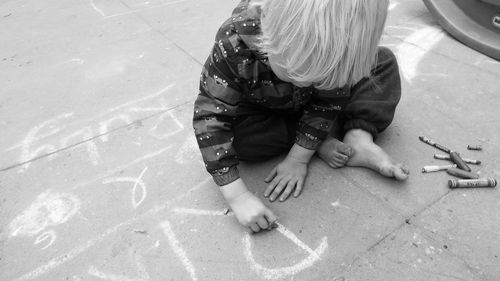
point(295, 77)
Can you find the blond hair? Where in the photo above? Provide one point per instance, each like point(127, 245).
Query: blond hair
point(329, 43)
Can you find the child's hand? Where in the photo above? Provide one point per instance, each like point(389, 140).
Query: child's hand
point(290, 174)
point(252, 213)
point(248, 209)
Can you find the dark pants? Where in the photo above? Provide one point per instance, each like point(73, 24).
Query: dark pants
point(261, 134)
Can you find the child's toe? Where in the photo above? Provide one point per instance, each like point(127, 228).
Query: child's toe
point(401, 172)
point(345, 149)
point(339, 157)
point(335, 164)
point(394, 171)
point(405, 169)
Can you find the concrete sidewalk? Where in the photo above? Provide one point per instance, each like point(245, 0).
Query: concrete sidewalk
point(101, 178)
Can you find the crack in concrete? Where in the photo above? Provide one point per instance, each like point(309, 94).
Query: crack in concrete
point(408, 221)
point(180, 48)
point(108, 133)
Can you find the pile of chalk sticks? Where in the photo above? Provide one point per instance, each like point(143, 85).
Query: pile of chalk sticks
point(459, 168)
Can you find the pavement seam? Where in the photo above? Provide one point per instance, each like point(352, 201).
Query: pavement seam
point(182, 50)
point(431, 234)
point(408, 221)
point(133, 123)
point(141, 18)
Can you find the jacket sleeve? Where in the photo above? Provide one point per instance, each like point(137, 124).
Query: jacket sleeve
point(318, 117)
point(214, 112)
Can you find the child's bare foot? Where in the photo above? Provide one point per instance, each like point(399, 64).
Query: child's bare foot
point(369, 155)
point(335, 153)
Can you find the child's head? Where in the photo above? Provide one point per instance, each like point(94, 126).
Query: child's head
point(326, 43)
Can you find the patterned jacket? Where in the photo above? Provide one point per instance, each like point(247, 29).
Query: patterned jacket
point(236, 72)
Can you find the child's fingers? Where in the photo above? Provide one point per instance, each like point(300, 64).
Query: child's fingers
point(336, 164)
point(271, 175)
point(298, 189)
point(271, 186)
point(271, 218)
point(254, 227)
point(340, 157)
point(262, 222)
point(289, 188)
point(278, 189)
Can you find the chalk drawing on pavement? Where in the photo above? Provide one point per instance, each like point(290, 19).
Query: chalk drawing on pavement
point(99, 11)
point(47, 237)
point(49, 209)
point(414, 47)
point(139, 190)
point(278, 273)
point(60, 129)
point(85, 137)
point(104, 125)
point(63, 258)
point(178, 250)
point(162, 122)
point(50, 234)
point(50, 127)
point(266, 273)
point(188, 152)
